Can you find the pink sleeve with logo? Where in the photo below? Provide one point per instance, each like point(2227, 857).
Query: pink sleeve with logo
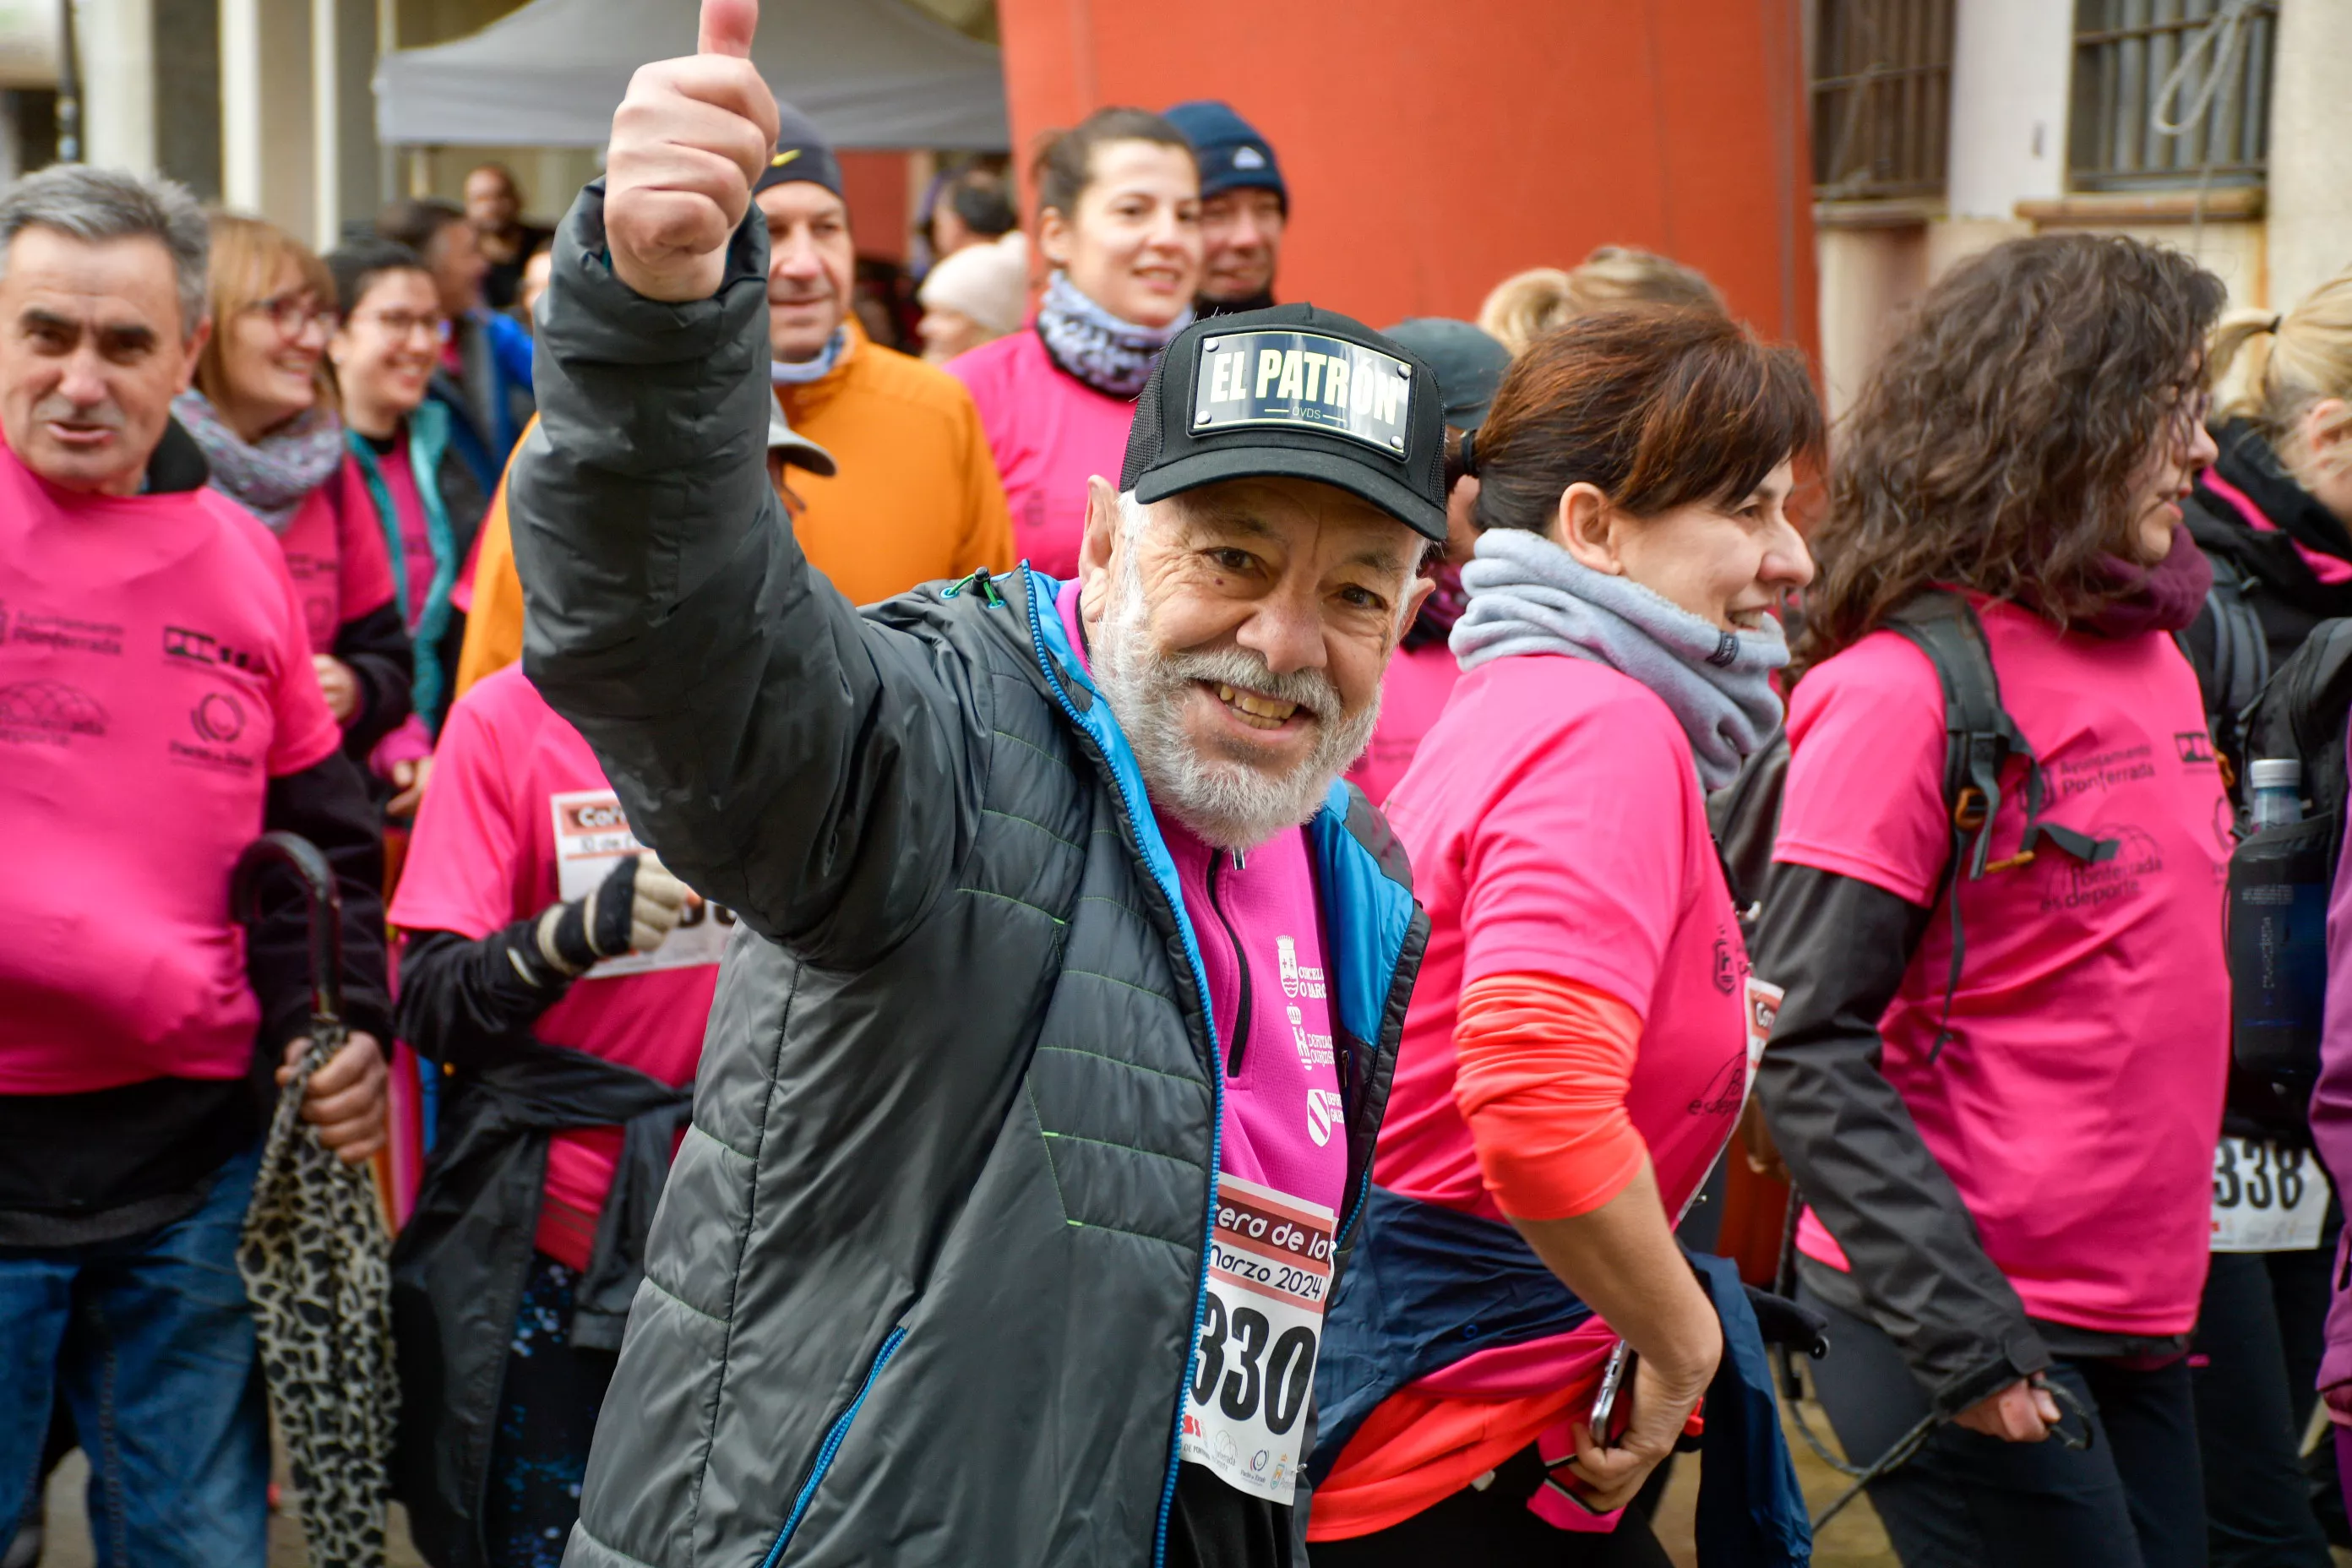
point(460, 873)
point(1865, 791)
point(1584, 843)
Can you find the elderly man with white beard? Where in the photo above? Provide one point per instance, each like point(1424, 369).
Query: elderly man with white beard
point(1038, 1100)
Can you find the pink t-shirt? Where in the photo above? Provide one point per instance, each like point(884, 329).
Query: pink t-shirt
point(1284, 1125)
point(2076, 1107)
point(415, 538)
point(1413, 694)
point(1556, 826)
point(1049, 433)
point(154, 678)
point(484, 856)
point(334, 549)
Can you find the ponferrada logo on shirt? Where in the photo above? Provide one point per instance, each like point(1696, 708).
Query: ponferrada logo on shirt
point(218, 718)
point(48, 712)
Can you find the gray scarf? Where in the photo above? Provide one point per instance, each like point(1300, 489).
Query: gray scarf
point(1530, 596)
point(270, 477)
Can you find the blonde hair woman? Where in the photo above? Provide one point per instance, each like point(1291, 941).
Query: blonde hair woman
point(1526, 305)
point(262, 409)
point(2276, 509)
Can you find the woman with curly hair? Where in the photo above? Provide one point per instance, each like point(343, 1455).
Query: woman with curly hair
point(1998, 1077)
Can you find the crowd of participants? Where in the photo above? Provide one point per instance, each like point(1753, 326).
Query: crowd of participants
point(1066, 960)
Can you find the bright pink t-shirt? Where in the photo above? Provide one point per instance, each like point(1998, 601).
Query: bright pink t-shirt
point(154, 678)
point(2078, 1105)
point(1049, 433)
point(334, 549)
point(1556, 826)
point(484, 856)
point(1413, 694)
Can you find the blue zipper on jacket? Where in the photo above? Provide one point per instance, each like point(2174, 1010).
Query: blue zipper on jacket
point(835, 1437)
point(1174, 896)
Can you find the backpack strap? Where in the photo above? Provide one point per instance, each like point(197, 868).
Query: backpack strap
point(2240, 665)
point(1980, 739)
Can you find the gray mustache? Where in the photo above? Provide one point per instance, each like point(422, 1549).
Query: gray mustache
point(1309, 689)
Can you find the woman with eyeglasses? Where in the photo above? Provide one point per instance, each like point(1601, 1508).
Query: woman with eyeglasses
point(263, 411)
point(425, 498)
point(1997, 1071)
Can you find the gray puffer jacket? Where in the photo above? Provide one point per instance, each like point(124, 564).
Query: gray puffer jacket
point(925, 1282)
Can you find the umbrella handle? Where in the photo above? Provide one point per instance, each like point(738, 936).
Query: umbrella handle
point(324, 900)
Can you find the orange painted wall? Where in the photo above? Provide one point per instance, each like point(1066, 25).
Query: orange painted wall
point(874, 187)
point(1433, 150)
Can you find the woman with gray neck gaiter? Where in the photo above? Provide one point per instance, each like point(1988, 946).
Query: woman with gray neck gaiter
point(1579, 1046)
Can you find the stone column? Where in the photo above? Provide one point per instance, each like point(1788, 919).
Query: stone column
point(2311, 148)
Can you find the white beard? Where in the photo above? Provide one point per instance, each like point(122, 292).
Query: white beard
point(1227, 802)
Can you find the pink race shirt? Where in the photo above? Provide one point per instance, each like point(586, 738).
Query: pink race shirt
point(154, 678)
point(334, 549)
point(2077, 1104)
point(1413, 694)
point(1049, 433)
point(415, 537)
point(1556, 826)
point(484, 856)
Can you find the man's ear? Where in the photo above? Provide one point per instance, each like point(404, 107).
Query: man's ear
point(1415, 596)
point(1586, 527)
point(193, 352)
point(1097, 547)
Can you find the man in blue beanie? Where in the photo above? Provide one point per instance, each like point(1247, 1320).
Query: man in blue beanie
point(1244, 206)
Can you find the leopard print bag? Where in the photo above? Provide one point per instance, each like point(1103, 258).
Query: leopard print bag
point(314, 1258)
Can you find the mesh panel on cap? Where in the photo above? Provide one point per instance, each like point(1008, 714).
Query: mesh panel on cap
point(1143, 431)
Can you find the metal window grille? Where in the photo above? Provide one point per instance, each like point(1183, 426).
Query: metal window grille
point(2124, 51)
point(1882, 98)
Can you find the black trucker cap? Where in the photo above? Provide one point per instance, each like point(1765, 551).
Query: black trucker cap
point(1292, 391)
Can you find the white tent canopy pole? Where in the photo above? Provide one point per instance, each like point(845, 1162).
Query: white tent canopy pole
point(871, 73)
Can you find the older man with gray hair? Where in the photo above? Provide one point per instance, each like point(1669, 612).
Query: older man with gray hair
point(1038, 1102)
point(158, 712)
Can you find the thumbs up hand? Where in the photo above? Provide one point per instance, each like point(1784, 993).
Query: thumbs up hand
point(688, 142)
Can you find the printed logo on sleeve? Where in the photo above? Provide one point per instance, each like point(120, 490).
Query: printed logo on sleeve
point(1302, 379)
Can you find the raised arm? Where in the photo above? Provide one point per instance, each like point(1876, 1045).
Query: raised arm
point(807, 767)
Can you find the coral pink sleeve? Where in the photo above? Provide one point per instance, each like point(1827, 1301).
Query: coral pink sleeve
point(1542, 1069)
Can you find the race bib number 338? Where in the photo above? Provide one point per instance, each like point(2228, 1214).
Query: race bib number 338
point(2267, 1197)
point(1261, 1328)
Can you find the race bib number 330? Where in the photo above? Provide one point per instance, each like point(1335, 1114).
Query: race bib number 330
point(1261, 1328)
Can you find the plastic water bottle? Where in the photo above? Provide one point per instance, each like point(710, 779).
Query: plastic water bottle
point(2277, 792)
point(2278, 885)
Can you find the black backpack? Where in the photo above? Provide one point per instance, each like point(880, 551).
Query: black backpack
point(2281, 878)
point(1980, 739)
point(2234, 675)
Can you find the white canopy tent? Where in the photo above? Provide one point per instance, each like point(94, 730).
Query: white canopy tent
point(872, 74)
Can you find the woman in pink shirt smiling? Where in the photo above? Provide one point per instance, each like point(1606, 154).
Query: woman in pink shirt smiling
point(1999, 1083)
point(1119, 219)
point(1577, 1047)
point(262, 409)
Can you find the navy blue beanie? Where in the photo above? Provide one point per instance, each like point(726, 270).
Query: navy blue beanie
point(1232, 155)
point(801, 153)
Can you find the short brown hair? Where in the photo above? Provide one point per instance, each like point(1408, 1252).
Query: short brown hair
point(1657, 408)
point(1996, 445)
point(248, 256)
point(1064, 165)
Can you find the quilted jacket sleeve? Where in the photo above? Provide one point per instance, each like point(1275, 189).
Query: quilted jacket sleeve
point(812, 769)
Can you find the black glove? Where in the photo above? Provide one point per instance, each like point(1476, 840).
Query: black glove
point(632, 910)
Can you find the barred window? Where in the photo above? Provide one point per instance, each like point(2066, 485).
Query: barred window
point(1882, 98)
point(2129, 57)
